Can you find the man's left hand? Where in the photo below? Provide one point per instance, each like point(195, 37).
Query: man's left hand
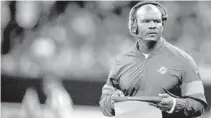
point(166, 104)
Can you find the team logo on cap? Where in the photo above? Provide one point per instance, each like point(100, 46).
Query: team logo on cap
point(162, 70)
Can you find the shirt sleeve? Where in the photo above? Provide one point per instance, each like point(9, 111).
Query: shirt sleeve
point(109, 88)
point(192, 90)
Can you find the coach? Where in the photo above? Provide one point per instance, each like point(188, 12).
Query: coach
point(154, 67)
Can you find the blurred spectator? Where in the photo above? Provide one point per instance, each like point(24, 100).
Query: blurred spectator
point(30, 106)
point(9, 64)
point(28, 13)
point(58, 103)
point(5, 14)
point(83, 35)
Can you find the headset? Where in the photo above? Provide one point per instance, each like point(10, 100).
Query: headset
point(132, 24)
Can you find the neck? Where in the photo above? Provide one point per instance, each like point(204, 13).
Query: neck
point(146, 46)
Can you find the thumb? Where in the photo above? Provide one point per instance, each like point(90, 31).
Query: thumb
point(163, 95)
point(120, 93)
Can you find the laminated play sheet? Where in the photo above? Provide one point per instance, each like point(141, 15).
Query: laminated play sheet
point(136, 109)
point(151, 99)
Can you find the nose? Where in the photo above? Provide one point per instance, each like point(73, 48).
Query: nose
point(152, 25)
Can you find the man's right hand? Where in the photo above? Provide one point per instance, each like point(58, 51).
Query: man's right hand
point(117, 93)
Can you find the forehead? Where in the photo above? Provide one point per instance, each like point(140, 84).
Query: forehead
point(148, 11)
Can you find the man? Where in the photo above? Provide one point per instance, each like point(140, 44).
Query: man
point(154, 67)
point(29, 103)
point(58, 101)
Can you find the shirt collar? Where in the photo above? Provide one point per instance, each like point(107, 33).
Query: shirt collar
point(157, 46)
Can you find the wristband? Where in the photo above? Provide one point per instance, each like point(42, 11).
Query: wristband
point(173, 107)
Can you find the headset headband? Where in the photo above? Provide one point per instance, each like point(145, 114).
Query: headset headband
point(161, 8)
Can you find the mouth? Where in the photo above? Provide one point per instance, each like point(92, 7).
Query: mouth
point(152, 33)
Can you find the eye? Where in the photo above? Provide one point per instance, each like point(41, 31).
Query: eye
point(146, 21)
point(157, 21)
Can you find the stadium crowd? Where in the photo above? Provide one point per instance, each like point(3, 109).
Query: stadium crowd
point(73, 37)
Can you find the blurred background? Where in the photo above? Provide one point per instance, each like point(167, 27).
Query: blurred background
point(54, 54)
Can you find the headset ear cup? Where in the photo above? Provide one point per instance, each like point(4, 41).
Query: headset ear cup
point(133, 27)
point(164, 18)
point(134, 30)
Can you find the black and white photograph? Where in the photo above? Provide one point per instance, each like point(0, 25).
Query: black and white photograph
point(105, 59)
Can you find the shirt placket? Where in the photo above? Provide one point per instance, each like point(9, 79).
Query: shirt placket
point(142, 74)
point(142, 77)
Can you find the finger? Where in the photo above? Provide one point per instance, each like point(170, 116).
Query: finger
point(163, 95)
point(117, 94)
point(120, 93)
point(152, 104)
point(112, 103)
point(164, 103)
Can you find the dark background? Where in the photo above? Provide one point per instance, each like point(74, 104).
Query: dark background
point(82, 92)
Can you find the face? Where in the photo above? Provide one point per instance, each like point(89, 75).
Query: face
point(149, 23)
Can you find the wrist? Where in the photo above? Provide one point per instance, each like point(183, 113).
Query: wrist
point(180, 104)
point(173, 106)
